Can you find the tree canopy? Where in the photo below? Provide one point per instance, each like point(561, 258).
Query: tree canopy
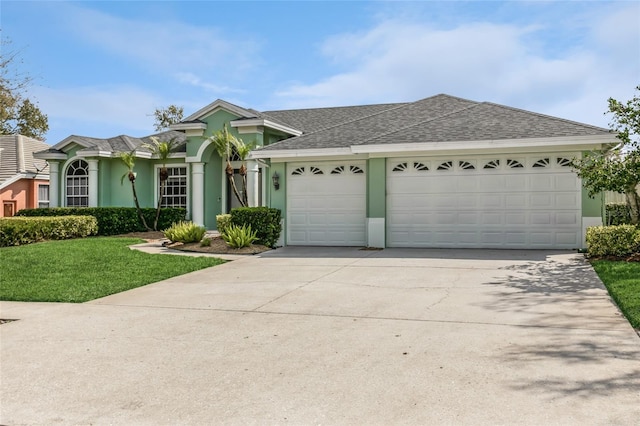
point(165, 117)
point(617, 169)
point(18, 113)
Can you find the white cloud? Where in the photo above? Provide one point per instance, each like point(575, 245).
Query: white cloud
point(95, 111)
point(503, 63)
point(167, 46)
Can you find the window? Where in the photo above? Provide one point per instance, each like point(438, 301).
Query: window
point(175, 188)
point(78, 184)
point(43, 196)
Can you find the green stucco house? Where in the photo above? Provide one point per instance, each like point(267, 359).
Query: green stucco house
point(439, 172)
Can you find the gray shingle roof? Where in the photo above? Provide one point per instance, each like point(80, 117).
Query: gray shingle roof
point(439, 118)
point(314, 119)
point(124, 143)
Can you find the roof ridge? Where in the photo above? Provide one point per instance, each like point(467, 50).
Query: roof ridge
point(354, 120)
point(565, 120)
point(333, 107)
point(457, 111)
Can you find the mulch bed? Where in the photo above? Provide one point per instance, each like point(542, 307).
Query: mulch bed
point(632, 258)
point(217, 246)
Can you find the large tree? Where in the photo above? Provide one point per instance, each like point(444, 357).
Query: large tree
point(165, 117)
point(617, 169)
point(18, 113)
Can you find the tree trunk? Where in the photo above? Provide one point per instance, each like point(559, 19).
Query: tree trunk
point(232, 182)
point(132, 179)
point(633, 201)
point(160, 196)
point(245, 195)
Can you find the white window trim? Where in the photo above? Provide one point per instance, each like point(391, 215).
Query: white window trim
point(65, 169)
point(48, 200)
point(156, 183)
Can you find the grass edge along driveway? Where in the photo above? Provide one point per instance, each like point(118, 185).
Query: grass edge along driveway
point(80, 270)
point(622, 280)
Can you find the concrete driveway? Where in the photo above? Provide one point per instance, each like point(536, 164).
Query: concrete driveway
point(333, 336)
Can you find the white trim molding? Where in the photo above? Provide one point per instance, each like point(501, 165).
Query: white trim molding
point(376, 232)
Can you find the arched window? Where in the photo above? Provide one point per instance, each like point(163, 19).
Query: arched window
point(78, 184)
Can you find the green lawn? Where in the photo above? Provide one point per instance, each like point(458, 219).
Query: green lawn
point(622, 279)
point(85, 269)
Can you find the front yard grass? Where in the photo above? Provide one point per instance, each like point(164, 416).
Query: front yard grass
point(622, 279)
point(85, 269)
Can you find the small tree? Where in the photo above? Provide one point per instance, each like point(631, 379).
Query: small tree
point(161, 149)
point(129, 160)
point(224, 143)
point(18, 114)
point(165, 117)
point(618, 169)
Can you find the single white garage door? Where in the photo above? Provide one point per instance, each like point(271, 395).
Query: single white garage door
point(531, 201)
point(326, 204)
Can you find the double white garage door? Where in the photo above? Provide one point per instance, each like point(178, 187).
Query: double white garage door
point(472, 202)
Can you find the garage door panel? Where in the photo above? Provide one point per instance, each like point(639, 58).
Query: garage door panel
point(326, 208)
point(510, 205)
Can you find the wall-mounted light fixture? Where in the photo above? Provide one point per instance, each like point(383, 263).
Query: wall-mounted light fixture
point(276, 180)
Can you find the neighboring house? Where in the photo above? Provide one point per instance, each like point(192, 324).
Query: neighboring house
point(24, 180)
point(438, 172)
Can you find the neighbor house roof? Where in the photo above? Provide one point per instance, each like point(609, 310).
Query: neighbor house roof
point(108, 146)
point(439, 118)
point(16, 157)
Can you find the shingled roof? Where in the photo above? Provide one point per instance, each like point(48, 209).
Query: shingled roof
point(440, 118)
point(122, 143)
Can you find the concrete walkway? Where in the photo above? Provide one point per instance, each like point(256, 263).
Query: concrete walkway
point(332, 336)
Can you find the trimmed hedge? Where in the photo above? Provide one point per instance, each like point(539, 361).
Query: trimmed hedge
point(265, 221)
point(114, 220)
point(620, 240)
point(618, 214)
point(15, 231)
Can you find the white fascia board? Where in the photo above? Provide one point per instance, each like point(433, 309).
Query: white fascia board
point(96, 153)
point(300, 153)
point(155, 156)
point(266, 123)
point(13, 179)
point(546, 144)
point(49, 156)
point(188, 126)
point(25, 175)
point(219, 104)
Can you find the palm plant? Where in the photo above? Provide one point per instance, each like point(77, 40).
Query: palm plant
point(161, 149)
point(243, 151)
point(224, 142)
point(129, 160)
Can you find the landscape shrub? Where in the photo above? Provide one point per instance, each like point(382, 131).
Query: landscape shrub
point(239, 236)
point(223, 222)
point(619, 240)
point(18, 230)
point(264, 220)
point(618, 214)
point(114, 220)
point(185, 232)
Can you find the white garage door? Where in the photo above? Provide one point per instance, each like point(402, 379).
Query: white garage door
point(489, 202)
point(326, 203)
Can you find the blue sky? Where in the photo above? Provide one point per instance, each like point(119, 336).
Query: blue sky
point(101, 68)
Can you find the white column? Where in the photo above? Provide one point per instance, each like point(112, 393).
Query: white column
point(197, 193)
point(54, 184)
point(252, 183)
point(93, 182)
